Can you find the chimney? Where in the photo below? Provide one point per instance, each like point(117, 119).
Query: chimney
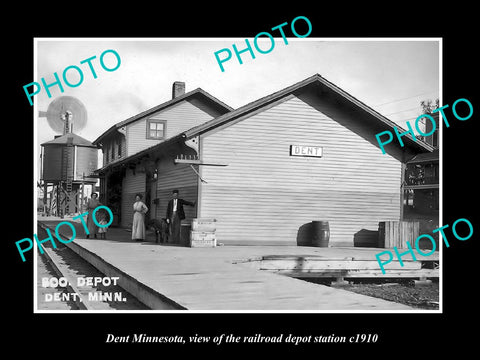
point(178, 89)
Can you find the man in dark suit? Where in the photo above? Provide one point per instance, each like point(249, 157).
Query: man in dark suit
point(175, 215)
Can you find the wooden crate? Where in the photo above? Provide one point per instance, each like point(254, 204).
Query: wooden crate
point(398, 233)
point(204, 224)
point(203, 239)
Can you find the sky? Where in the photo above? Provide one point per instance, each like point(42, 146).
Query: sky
point(390, 75)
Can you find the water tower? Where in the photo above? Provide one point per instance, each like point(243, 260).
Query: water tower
point(68, 161)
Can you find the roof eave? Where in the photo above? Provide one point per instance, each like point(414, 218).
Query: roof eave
point(209, 125)
point(98, 140)
point(135, 157)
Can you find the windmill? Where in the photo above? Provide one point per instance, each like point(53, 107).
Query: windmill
point(64, 112)
point(68, 160)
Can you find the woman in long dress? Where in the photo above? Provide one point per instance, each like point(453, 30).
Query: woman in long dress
point(92, 203)
point(138, 225)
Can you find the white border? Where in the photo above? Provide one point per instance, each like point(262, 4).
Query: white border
point(35, 168)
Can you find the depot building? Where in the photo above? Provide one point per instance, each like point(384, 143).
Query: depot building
point(307, 152)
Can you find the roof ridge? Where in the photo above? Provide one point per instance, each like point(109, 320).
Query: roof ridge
point(161, 106)
point(275, 96)
point(253, 104)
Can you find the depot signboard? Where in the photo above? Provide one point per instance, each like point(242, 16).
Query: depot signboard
point(306, 151)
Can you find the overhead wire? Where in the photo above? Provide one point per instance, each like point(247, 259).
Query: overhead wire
point(406, 98)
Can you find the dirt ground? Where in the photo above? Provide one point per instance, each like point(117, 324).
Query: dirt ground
point(400, 291)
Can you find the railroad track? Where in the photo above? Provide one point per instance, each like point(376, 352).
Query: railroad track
point(76, 284)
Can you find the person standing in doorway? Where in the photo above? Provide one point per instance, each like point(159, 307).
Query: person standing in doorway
point(175, 215)
point(92, 204)
point(138, 225)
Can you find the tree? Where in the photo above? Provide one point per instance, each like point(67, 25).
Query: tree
point(428, 106)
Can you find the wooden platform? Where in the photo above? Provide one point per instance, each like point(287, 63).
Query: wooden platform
point(309, 266)
point(236, 278)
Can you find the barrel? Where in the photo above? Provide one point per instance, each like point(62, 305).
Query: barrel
point(320, 233)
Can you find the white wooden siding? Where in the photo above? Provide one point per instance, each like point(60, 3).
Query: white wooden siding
point(179, 117)
point(264, 195)
point(131, 185)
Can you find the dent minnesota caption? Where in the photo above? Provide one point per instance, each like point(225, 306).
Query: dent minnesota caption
point(231, 338)
point(54, 282)
point(83, 281)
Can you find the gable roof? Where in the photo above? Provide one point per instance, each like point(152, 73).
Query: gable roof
point(198, 93)
point(228, 118)
point(318, 80)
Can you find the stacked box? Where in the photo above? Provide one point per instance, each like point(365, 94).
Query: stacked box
point(203, 233)
point(203, 224)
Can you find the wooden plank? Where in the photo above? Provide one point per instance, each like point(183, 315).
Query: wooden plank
point(334, 265)
point(308, 257)
point(196, 162)
point(398, 233)
point(363, 257)
point(409, 273)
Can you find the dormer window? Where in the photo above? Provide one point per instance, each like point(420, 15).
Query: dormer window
point(156, 129)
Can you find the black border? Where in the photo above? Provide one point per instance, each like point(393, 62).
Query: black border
point(398, 333)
